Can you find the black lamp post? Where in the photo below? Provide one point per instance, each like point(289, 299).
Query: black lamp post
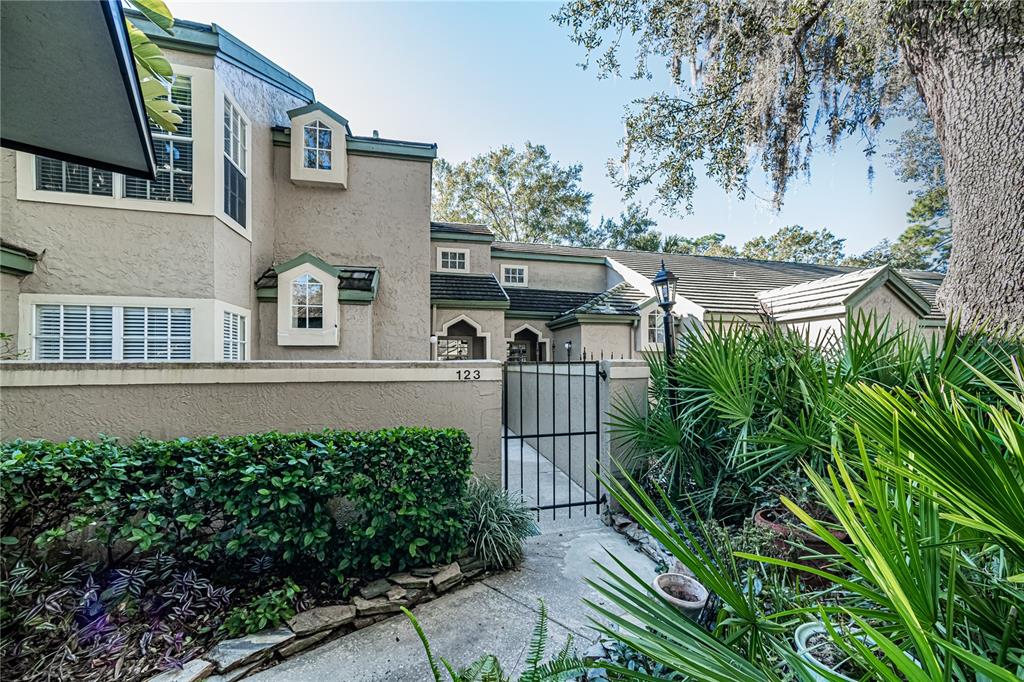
point(665, 289)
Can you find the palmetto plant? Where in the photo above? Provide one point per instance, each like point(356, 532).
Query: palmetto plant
point(928, 484)
point(740, 405)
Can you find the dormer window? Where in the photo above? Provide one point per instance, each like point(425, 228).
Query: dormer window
point(319, 146)
point(316, 151)
point(307, 303)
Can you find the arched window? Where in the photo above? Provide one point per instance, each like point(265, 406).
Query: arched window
point(307, 303)
point(316, 146)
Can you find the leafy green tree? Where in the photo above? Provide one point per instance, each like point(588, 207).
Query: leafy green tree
point(634, 230)
point(521, 195)
point(769, 83)
point(706, 245)
point(795, 244)
point(155, 72)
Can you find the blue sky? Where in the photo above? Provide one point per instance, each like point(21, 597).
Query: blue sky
point(473, 76)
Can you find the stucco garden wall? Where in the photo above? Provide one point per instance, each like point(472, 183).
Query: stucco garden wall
point(163, 400)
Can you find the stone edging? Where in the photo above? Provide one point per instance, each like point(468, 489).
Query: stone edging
point(234, 659)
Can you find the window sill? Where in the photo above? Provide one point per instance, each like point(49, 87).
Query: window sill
point(230, 222)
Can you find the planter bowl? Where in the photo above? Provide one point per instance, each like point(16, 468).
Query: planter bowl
point(692, 596)
point(804, 633)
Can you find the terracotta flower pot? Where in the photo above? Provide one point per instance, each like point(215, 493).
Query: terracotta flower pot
point(683, 592)
point(790, 531)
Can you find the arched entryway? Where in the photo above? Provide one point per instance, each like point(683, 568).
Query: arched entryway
point(526, 345)
point(462, 340)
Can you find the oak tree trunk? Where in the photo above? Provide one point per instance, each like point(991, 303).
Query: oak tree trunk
point(971, 75)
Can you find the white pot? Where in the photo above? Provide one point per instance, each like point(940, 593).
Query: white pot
point(807, 630)
point(691, 608)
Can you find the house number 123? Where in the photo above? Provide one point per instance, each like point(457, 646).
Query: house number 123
point(467, 374)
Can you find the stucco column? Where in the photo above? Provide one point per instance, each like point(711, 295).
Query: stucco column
point(625, 382)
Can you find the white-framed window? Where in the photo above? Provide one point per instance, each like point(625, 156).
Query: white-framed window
point(307, 303)
point(514, 275)
point(655, 327)
point(174, 157)
point(234, 336)
point(316, 146)
point(98, 332)
point(236, 147)
point(453, 259)
point(60, 176)
point(74, 332)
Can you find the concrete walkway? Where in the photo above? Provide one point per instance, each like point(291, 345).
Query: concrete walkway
point(541, 482)
point(495, 615)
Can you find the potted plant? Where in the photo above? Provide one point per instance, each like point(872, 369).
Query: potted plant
point(683, 592)
point(814, 645)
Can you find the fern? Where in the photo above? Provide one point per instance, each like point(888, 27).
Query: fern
point(538, 641)
point(426, 645)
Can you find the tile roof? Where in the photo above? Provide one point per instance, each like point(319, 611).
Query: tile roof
point(798, 300)
point(719, 284)
point(621, 299)
point(446, 286)
point(552, 301)
point(460, 228)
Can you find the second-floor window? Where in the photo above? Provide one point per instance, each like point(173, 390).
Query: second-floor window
point(316, 146)
point(236, 138)
point(655, 327)
point(60, 176)
point(173, 154)
point(456, 259)
point(513, 275)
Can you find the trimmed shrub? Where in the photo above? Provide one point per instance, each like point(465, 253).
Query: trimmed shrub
point(355, 503)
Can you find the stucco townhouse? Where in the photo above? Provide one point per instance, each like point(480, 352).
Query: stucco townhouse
point(273, 231)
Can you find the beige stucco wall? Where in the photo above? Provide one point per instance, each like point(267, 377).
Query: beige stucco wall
point(610, 339)
point(381, 220)
point(490, 322)
point(560, 336)
point(57, 402)
point(10, 285)
point(479, 254)
point(884, 302)
point(558, 275)
point(355, 336)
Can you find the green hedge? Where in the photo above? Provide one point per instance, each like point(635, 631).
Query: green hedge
point(355, 503)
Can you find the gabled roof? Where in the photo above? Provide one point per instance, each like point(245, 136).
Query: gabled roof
point(545, 302)
point(839, 293)
point(325, 110)
point(716, 284)
point(620, 303)
point(463, 290)
point(303, 259)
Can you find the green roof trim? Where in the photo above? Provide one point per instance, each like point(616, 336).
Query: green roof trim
point(458, 303)
point(14, 263)
point(459, 237)
point(191, 36)
point(370, 146)
point(526, 315)
point(307, 258)
point(321, 107)
point(346, 296)
point(571, 320)
point(518, 255)
point(378, 146)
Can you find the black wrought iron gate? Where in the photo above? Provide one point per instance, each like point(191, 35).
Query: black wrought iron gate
point(551, 416)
